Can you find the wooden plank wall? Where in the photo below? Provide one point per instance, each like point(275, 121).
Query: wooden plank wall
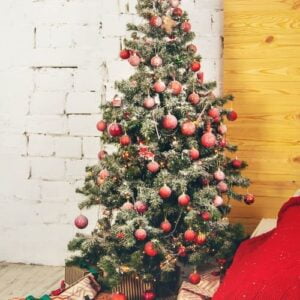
point(262, 70)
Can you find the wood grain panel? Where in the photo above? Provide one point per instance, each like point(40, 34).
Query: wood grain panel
point(262, 70)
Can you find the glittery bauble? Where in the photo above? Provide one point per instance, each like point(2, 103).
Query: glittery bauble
point(169, 122)
point(102, 154)
point(81, 222)
point(218, 201)
point(155, 21)
point(156, 61)
point(186, 26)
point(200, 76)
point(118, 296)
point(194, 154)
point(125, 140)
point(206, 216)
point(115, 129)
point(188, 128)
point(249, 199)
point(222, 187)
point(127, 206)
point(195, 66)
point(181, 251)
point(165, 192)
point(184, 200)
point(200, 239)
point(175, 87)
point(189, 235)
point(149, 295)
point(166, 226)
point(140, 207)
point(124, 54)
point(208, 140)
point(232, 115)
point(192, 48)
point(214, 112)
point(150, 249)
point(222, 128)
point(149, 103)
point(159, 86)
point(219, 175)
point(177, 12)
point(153, 166)
point(194, 278)
point(236, 163)
point(194, 98)
point(140, 234)
point(101, 125)
point(134, 60)
point(174, 3)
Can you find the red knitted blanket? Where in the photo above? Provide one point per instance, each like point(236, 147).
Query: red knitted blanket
point(267, 267)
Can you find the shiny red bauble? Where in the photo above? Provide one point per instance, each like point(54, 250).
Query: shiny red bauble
point(181, 251)
point(219, 175)
point(149, 295)
point(156, 61)
point(149, 103)
point(218, 201)
point(115, 129)
point(188, 128)
point(194, 98)
point(208, 140)
point(249, 199)
point(236, 163)
point(200, 239)
point(159, 86)
point(124, 54)
point(222, 187)
point(150, 250)
point(177, 12)
point(214, 113)
point(194, 154)
point(81, 222)
point(140, 234)
point(184, 199)
point(200, 76)
point(153, 166)
point(194, 278)
point(165, 192)
point(175, 87)
point(195, 66)
point(134, 60)
point(155, 21)
point(140, 206)
point(101, 125)
point(169, 122)
point(186, 26)
point(189, 235)
point(222, 129)
point(125, 140)
point(166, 226)
point(102, 154)
point(192, 48)
point(206, 216)
point(118, 296)
point(127, 206)
point(232, 115)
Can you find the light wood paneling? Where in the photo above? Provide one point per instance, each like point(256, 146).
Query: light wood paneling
point(262, 71)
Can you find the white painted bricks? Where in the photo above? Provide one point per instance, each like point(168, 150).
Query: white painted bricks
point(59, 59)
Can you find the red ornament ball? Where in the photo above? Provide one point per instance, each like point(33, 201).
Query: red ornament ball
point(218, 201)
point(232, 115)
point(200, 76)
point(236, 163)
point(222, 187)
point(81, 222)
point(186, 26)
point(127, 206)
point(192, 48)
point(184, 199)
point(103, 174)
point(102, 154)
point(206, 216)
point(189, 235)
point(156, 61)
point(166, 226)
point(120, 235)
point(140, 234)
point(219, 175)
point(208, 140)
point(125, 54)
point(188, 128)
point(223, 143)
point(194, 98)
point(214, 113)
point(149, 103)
point(175, 87)
point(159, 86)
point(195, 66)
point(181, 251)
point(155, 21)
point(115, 129)
point(125, 140)
point(149, 295)
point(194, 278)
point(249, 199)
point(140, 207)
point(150, 249)
point(194, 154)
point(177, 12)
point(134, 60)
point(153, 166)
point(169, 122)
point(165, 192)
point(118, 296)
point(200, 239)
point(101, 125)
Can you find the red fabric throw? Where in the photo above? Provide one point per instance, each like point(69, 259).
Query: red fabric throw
point(267, 267)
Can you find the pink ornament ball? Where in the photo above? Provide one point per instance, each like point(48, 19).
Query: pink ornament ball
point(159, 86)
point(194, 154)
point(169, 122)
point(140, 207)
point(219, 175)
point(214, 113)
point(165, 192)
point(194, 98)
point(222, 129)
point(208, 140)
point(218, 201)
point(149, 103)
point(127, 206)
point(81, 222)
point(222, 187)
point(153, 167)
point(175, 87)
point(156, 61)
point(188, 128)
point(186, 26)
point(140, 234)
point(134, 60)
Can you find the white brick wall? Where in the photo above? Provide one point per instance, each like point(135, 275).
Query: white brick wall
point(58, 59)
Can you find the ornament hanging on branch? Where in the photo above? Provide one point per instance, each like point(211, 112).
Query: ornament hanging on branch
point(200, 77)
point(186, 26)
point(166, 226)
point(174, 3)
point(149, 295)
point(214, 112)
point(149, 103)
point(153, 167)
point(175, 87)
point(101, 126)
point(194, 98)
point(181, 251)
point(169, 122)
point(102, 154)
point(222, 187)
point(156, 61)
point(81, 222)
point(192, 48)
point(194, 278)
point(150, 250)
point(140, 206)
point(200, 239)
point(177, 12)
point(155, 21)
point(115, 129)
point(189, 235)
point(165, 192)
point(232, 115)
point(208, 140)
point(249, 199)
point(124, 53)
point(218, 201)
point(236, 163)
point(127, 206)
point(159, 86)
point(195, 66)
point(206, 216)
point(219, 175)
point(140, 234)
point(125, 140)
point(194, 154)
point(188, 128)
point(134, 60)
point(184, 199)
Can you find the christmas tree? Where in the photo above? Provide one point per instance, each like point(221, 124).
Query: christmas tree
point(165, 191)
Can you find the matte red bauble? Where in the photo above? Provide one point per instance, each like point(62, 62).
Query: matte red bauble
point(192, 48)
point(194, 98)
point(181, 251)
point(155, 21)
point(189, 235)
point(222, 128)
point(219, 175)
point(184, 199)
point(175, 87)
point(218, 201)
point(174, 3)
point(195, 66)
point(120, 235)
point(156, 61)
point(166, 226)
point(200, 239)
point(150, 249)
point(169, 122)
point(124, 54)
point(208, 140)
point(188, 128)
point(223, 143)
point(200, 76)
point(232, 115)
point(101, 125)
point(140, 207)
point(103, 174)
point(149, 295)
point(127, 206)
point(222, 187)
point(214, 112)
point(140, 234)
point(81, 222)
point(177, 12)
point(206, 216)
point(153, 167)
point(165, 192)
point(149, 103)
point(194, 154)
point(159, 86)
point(186, 26)
point(134, 60)
point(118, 296)
point(115, 129)
point(125, 140)
point(249, 199)
point(194, 278)
point(102, 154)
point(236, 163)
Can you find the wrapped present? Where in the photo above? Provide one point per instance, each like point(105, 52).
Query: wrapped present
point(74, 273)
point(103, 296)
